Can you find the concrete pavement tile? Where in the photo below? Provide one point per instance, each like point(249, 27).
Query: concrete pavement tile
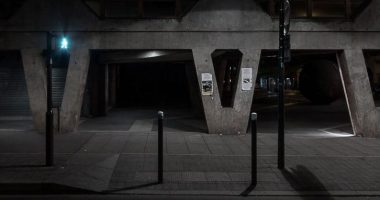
point(94, 174)
point(173, 176)
point(135, 143)
point(213, 139)
point(177, 148)
point(146, 176)
point(219, 149)
point(217, 176)
point(151, 145)
point(239, 176)
point(175, 138)
point(193, 177)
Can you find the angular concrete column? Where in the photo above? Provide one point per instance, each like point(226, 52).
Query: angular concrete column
point(195, 97)
point(74, 89)
point(365, 117)
point(35, 75)
point(227, 120)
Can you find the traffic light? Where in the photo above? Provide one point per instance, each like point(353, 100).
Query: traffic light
point(64, 45)
point(61, 56)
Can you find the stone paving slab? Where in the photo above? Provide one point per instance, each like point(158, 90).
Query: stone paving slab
point(198, 164)
point(86, 171)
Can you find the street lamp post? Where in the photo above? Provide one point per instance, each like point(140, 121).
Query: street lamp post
point(283, 56)
point(50, 50)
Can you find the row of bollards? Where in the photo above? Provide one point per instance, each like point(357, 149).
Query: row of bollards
point(160, 150)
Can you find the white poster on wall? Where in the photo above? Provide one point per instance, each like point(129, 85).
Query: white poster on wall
point(207, 84)
point(246, 74)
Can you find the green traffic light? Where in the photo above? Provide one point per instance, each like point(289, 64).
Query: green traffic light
point(64, 43)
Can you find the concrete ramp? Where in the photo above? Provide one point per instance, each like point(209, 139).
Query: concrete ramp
point(142, 125)
point(87, 171)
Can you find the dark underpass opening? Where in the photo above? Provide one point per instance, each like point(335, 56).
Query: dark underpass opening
point(314, 97)
point(152, 85)
point(15, 112)
point(126, 88)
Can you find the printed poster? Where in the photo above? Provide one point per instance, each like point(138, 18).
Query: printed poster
point(207, 84)
point(246, 79)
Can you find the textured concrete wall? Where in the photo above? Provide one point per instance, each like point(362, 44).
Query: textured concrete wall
point(195, 97)
point(365, 117)
point(367, 20)
point(74, 89)
point(210, 25)
point(207, 15)
point(35, 75)
point(226, 120)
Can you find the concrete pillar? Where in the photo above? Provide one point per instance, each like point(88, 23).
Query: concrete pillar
point(226, 120)
point(74, 89)
point(195, 99)
point(35, 76)
point(365, 117)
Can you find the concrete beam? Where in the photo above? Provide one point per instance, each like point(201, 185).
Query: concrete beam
point(35, 76)
point(74, 89)
point(365, 117)
point(227, 120)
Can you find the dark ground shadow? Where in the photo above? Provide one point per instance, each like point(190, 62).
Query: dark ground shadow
point(40, 188)
point(131, 187)
point(249, 189)
point(303, 180)
point(21, 166)
point(185, 124)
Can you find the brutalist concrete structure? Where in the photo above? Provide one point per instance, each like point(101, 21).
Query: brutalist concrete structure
point(209, 25)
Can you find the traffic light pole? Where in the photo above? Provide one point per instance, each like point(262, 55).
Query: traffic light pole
point(49, 148)
point(281, 114)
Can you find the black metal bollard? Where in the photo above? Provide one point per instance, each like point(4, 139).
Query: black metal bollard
point(160, 147)
point(49, 139)
point(253, 149)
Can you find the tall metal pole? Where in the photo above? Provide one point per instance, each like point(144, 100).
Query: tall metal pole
point(160, 147)
point(49, 111)
point(281, 60)
point(253, 149)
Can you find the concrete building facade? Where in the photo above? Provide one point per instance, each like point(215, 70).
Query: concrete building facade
point(209, 25)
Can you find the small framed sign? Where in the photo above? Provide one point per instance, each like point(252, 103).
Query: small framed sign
point(207, 84)
point(246, 74)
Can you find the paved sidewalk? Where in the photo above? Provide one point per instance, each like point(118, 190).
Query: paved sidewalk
point(195, 164)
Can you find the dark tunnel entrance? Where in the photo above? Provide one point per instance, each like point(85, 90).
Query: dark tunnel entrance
point(15, 113)
point(126, 88)
point(314, 95)
point(372, 58)
point(152, 85)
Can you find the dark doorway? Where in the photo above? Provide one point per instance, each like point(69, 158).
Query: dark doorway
point(314, 95)
point(372, 58)
point(126, 88)
point(153, 85)
point(14, 100)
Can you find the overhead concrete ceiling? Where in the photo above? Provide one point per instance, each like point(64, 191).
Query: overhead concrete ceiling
point(144, 9)
point(9, 7)
point(142, 56)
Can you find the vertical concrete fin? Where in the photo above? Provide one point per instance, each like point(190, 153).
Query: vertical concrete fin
point(74, 89)
point(364, 115)
point(35, 76)
point(251, 59)
point(220, 119)
point(345, 81)
point(243, 99)
point(211, 104)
